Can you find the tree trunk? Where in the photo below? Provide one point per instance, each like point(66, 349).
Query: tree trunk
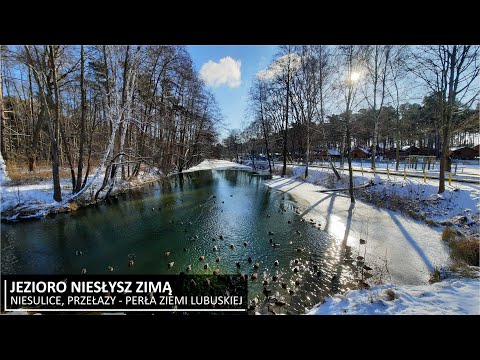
point(307, 155)
point(285, 144)
point(82, 120)
point(55, 134)
point(349, 157)
point(3, 147)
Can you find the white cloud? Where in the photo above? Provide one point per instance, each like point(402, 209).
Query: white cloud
point(278, 66)
point(225, 72)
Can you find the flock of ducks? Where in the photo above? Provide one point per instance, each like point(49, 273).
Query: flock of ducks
point(254, 275)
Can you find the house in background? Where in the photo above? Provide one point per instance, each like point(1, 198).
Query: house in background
point(477, 149)
point(359, 153)
point(410, 150)
point(463, 153)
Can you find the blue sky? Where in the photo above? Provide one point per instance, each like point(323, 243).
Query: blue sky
point(228, 79)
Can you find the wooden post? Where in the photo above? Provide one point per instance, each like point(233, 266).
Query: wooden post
point(449, 178)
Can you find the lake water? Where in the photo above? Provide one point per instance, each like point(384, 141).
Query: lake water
point(191, 212)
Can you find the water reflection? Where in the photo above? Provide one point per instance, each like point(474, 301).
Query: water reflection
point(231, 210)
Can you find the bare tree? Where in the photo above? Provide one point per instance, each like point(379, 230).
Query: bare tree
point(377, 59)
point(449, 71)
point(349, 56)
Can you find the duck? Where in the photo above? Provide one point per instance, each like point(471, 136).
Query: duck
point(153, 209)
point(216, 271)
point(196, 237)
point(130, 263)
point(270, 233)
point(170, 264)
point(189, 268)
point(265, 282)
point(215, 248)
point(299, 250)
point(201, 258)
point(275, 245)
point(232, 246)
point(271, 241)
point(221, 237)
point(295, 269)
point(110, 268)
point(253, 276)
point(298, 232)
point(276, 263)
point(84, 271)
point(245, 243)
point(257, 265)
point(189, 223)
point(186, 230)
point(184, 249)
point(78, 252)
point(296, 261)
point(167, 253)
point(284, 285)
point(363, 242)
point(274, 277)
point(249, 259)
point(289, 222)
point(217, 259)
point(237, 264)
point(297, 282)
point(206, 266)
point(291, 292)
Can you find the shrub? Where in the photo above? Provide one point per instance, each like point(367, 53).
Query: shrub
point(448, 234)
point(390, 295)
point(435, 276)
point(466, 250)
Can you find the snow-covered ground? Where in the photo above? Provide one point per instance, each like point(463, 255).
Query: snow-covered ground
point(459, 205)
point(3, 171)
point(218, 165)
point(454, 296)
point(402, 250)
point(34, 200)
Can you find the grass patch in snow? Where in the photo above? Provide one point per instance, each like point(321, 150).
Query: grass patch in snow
point(464, 250)
point(448, 234)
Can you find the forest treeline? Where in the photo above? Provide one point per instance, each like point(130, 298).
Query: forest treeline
point(118, 108)
point(312, 99)
point(113, 111)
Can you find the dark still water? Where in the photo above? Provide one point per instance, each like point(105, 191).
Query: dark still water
point(192, 214)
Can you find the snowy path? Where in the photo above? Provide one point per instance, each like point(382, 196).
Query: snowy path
point(411, 248)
